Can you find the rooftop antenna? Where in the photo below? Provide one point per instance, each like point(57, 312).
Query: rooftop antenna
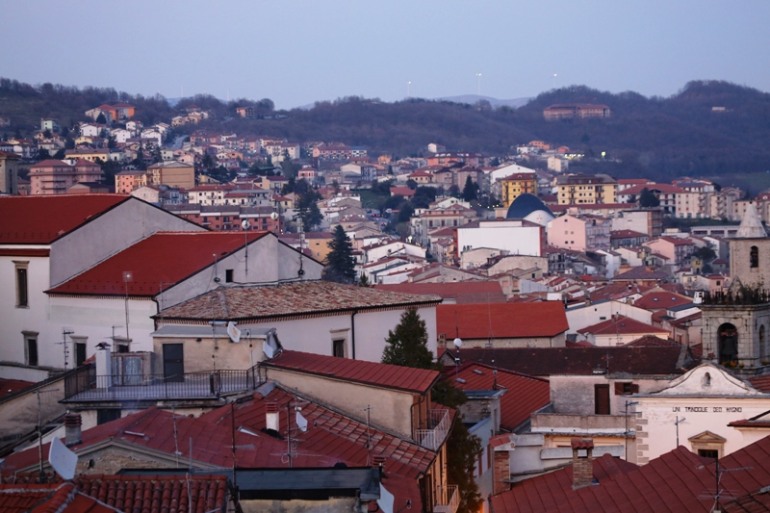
point(246, 226)
point(127, 277)
point(676, 423)
point(65, 346)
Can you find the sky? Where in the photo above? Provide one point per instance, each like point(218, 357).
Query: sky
point(296, 52)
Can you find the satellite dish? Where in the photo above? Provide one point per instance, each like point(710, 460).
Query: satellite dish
point(62, 459)
point(233, 332)
point(458, 343)
point(245, 224)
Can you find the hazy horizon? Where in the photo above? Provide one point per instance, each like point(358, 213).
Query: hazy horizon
point(296, 53)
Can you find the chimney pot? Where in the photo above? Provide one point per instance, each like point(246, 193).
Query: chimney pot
point(582, 462)
point(72, 429)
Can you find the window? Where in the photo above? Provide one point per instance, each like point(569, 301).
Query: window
point(22, 285)
point(754, 257)
point(106, 415)
point(30, 348)
point(229, 276)
point(338, 347)
point(626, 388)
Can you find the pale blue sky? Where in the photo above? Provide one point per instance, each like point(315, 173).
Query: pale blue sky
point(299, 51)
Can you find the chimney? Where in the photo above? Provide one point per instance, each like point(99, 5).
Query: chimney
point(72, 430)
point(582, 462)
point(271, 417)
point(103, 365)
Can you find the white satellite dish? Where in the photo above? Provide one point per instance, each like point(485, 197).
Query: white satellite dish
point(233, 332)
point(458, 343)
point(245, 224)
point(63, 460)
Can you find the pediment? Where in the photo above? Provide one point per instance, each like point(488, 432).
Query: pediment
point(707, 437)
point(708, 379)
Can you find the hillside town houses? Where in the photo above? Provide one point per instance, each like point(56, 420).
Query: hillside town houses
point(170, 279)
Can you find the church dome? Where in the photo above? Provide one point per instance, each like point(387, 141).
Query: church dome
point(531, 208)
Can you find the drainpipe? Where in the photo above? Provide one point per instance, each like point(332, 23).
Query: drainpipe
point(353, 333)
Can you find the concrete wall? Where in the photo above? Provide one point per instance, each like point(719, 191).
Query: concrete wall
point(108, 234)
point(505, 235)
point(388, 408)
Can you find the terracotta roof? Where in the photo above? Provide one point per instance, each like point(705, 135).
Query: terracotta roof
point(331, 438)
point(156, 263)
point(676, 482)
point(358, 371)
point(43, 219)
point(48, 498)
point(642, 273)
point(158, 494)
point(11, 386)
point(583, 361)
point(621, 325)
point(655, 300)
point(524, 394)
point(502, 320)
point(288, 299)
point(461, 292)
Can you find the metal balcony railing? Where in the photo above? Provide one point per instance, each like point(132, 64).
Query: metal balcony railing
point(86, 386)
point(447, 499)
point(433, 437)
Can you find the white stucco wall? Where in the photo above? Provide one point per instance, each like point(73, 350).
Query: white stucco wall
point(108, 234)
point(579, 318)
point(504, 235)
point(705, 399)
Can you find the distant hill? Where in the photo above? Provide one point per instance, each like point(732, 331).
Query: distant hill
point(709, 128)
point(473, 99)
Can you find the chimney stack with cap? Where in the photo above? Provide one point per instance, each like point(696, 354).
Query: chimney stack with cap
point(582, 462)
point(72, 429)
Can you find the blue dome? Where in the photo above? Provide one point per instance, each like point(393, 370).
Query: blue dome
point(525, 205)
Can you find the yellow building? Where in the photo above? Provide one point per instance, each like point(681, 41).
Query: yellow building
point(517, 184)
point(586, 189)
point(173, 174)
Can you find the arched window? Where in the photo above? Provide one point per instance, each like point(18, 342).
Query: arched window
point(727, 339)
point(754, 257)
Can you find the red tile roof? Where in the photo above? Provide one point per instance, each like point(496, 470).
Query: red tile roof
point(461, 292)
point(11, 386)
point(676, 482)
point(622, 325)
point(289, 299)
point(156, 263)
point(524, 394)
point(158, 494)
point(502, 320)
point(582, 361)
point(43, 219)
point(48, 498)
point(331, 438)
point(661, 300)
point(358, 371)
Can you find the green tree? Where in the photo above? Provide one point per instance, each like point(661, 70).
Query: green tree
point(407, 346)
point(471, 190)
point(340, 264)
point(309, 213)
point(647, 198)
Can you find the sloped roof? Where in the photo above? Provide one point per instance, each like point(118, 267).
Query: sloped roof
point(751, 224)
point(331, 438)
point(44, 498)
point(676, 482)
point(288, 299)
point(358, 371)
point(502, 320)
point(524, 394)
point(43, 219)
point(583, 361)
point(157, 493)
point(656, 300)
point(621, 325)
point(462, 292)
point(156, 263)
point(642, 273)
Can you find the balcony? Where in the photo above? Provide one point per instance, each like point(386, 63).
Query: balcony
point(447, 499)
point(433, 438)
point(85, 386)
point(574, 423)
